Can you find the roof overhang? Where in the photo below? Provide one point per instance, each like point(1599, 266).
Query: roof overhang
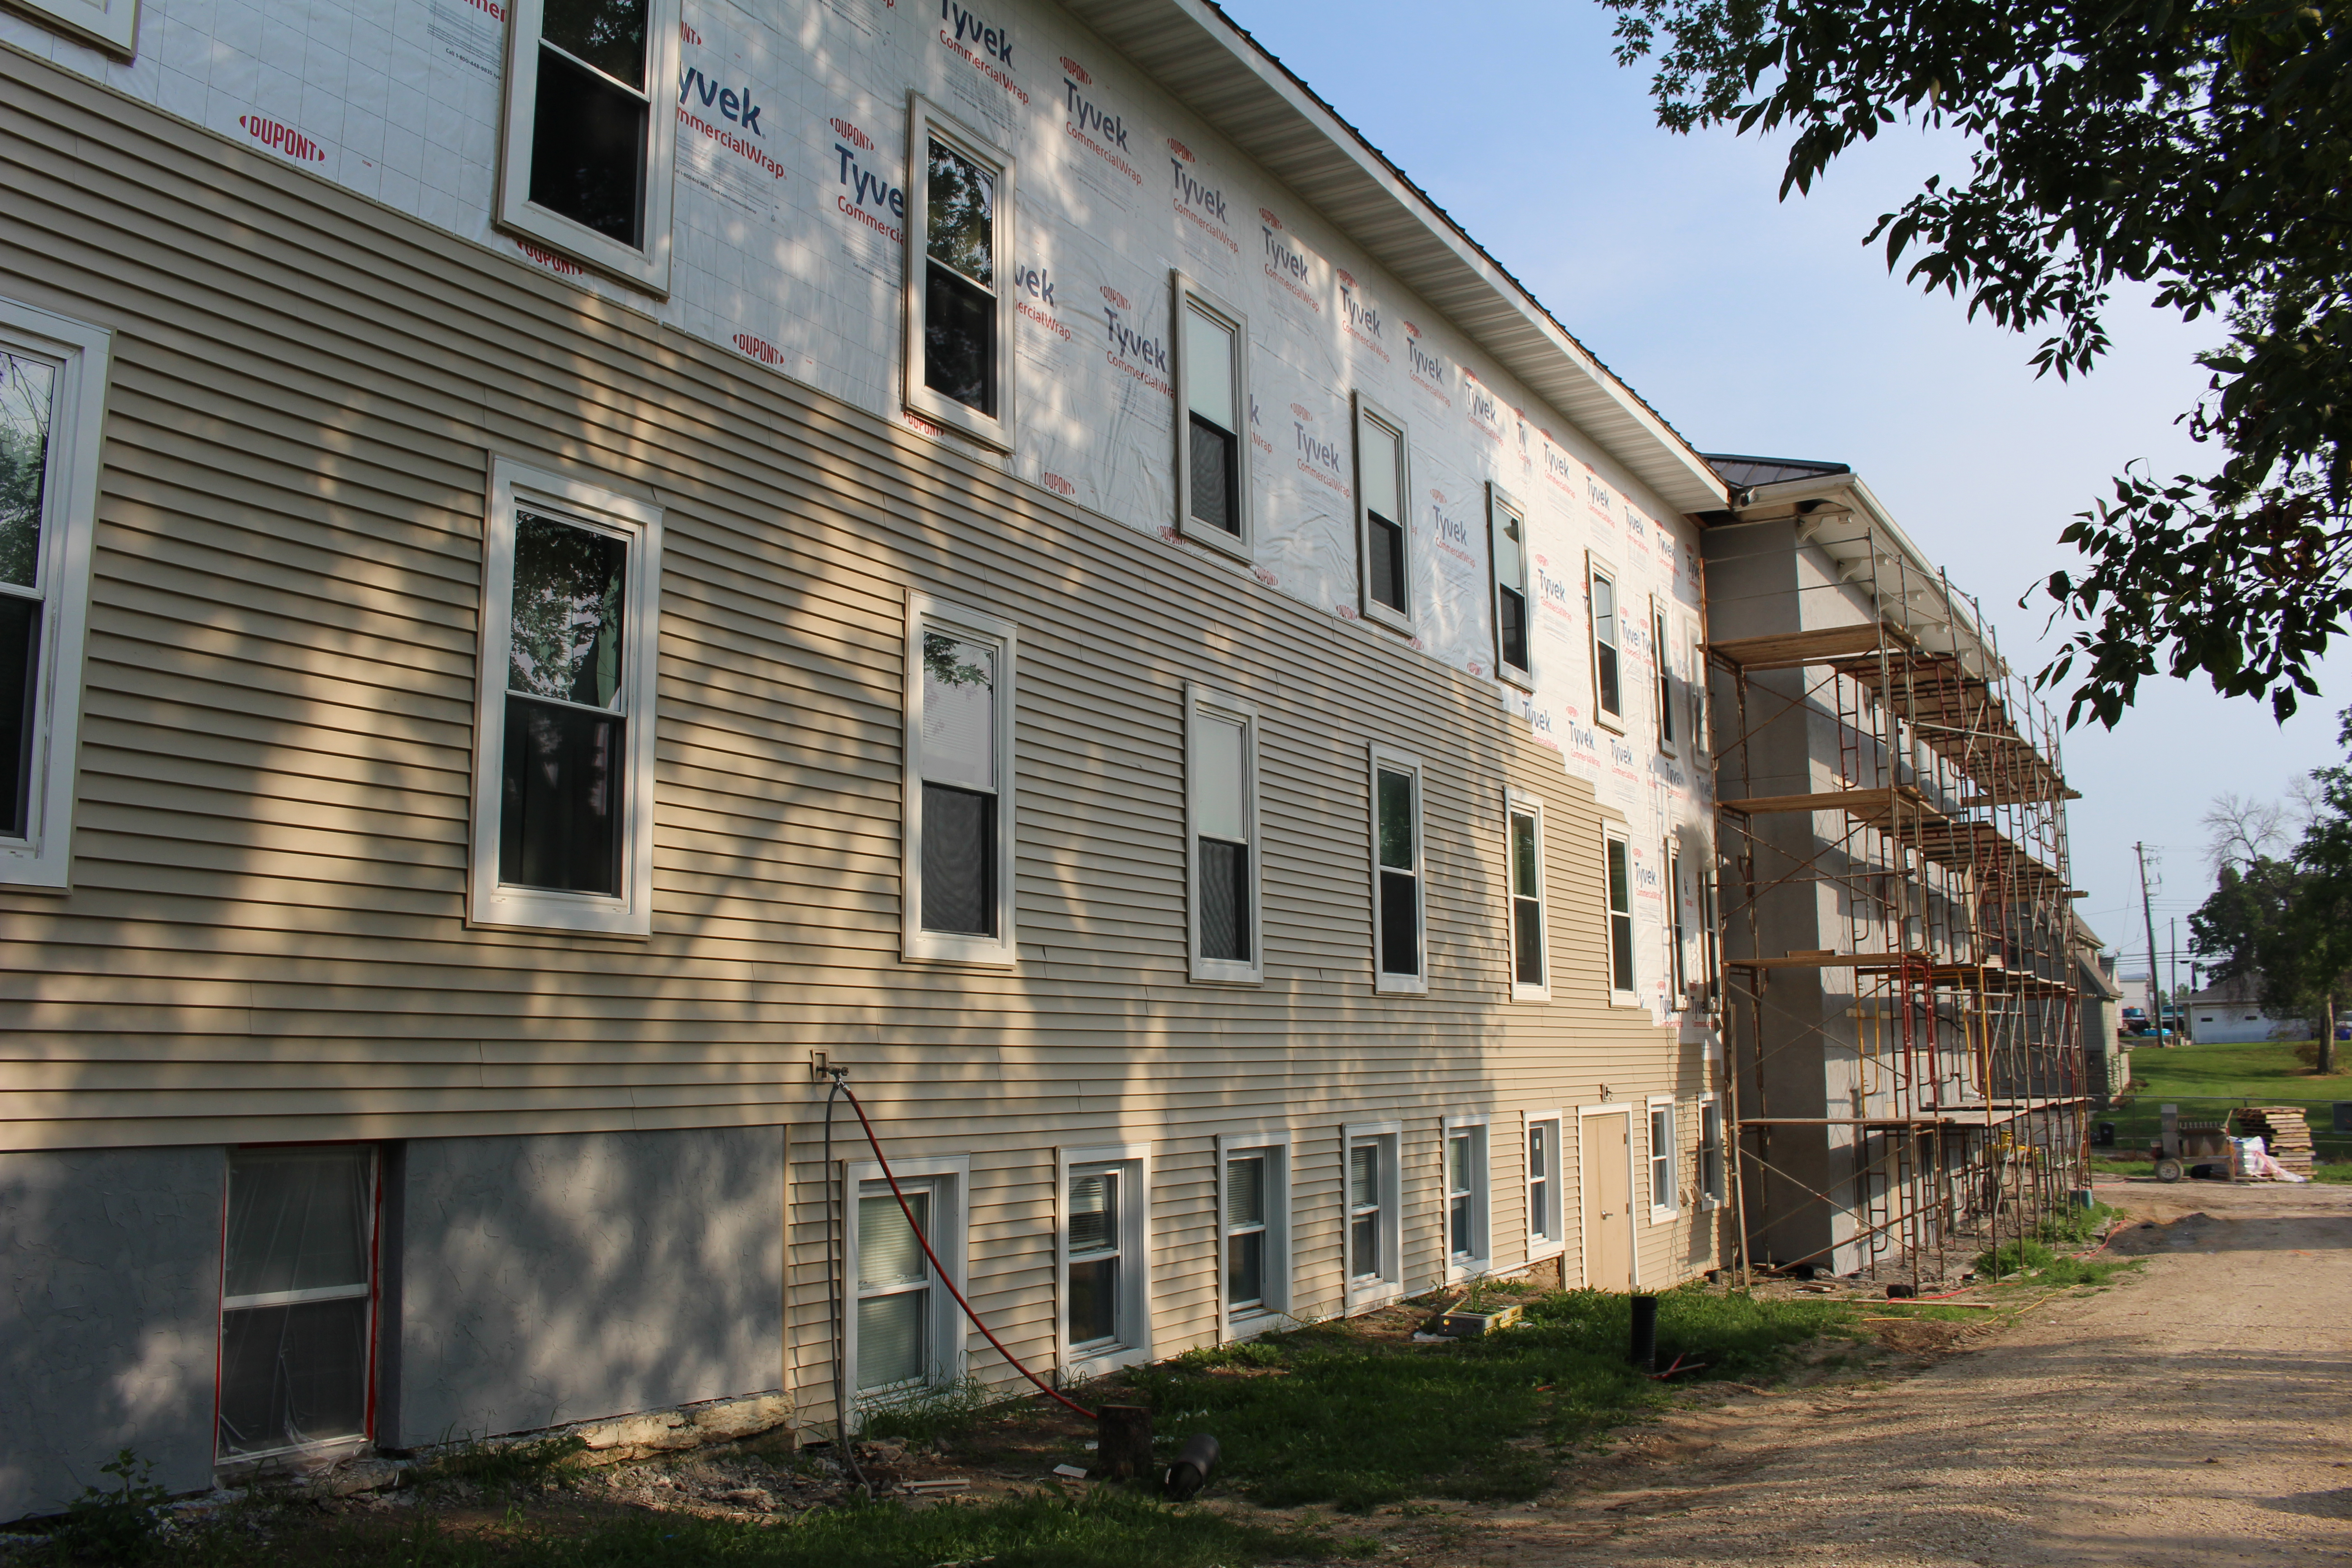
point(1196, 52)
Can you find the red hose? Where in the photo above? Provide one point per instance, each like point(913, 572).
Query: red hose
point(940, 1269)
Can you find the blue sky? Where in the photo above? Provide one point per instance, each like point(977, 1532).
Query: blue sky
point(1766, 327)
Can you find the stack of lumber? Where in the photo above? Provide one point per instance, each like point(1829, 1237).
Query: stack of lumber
point(2282, 1128)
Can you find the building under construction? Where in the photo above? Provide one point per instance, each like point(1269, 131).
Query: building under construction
point(1906, 1069)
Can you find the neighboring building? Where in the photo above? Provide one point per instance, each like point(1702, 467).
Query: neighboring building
point(1899, 942)
point(540, 623)
point(2231, 1013)
point(2106, 1054)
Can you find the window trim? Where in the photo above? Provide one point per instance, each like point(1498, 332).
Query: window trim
point(1388, 1285)
point(1502, 503)
point(71, 468)
point(1663, 672)
point(1199, 701)
point(1518, 803)
point(1370, 609)
point(1662, 1212)
point(512, 486)
point(1481, 1260)
point(648, 269)
point(1615, 833)
point(1711, 1194)
point(1276, 1307)
point(1702, 743)
point(947, 1324)
point(111, 28)
point(926, 121)
point(1134, 1349)
point(1185, 295)
point(1542, 1248)
point(914, 943)
point(1381, 759)
point(1670, 857)
point(1598, 570)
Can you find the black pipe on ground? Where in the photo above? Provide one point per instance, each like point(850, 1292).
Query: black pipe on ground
point(1191, 1471)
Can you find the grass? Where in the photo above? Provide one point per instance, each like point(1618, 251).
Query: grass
point(1332, 1415)
point(1042, 1529)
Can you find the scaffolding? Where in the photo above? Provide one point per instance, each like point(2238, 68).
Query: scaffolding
point(1924, 856)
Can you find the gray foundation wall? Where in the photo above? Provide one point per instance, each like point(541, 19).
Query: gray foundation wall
point(110, 1303)
point(564, 1278)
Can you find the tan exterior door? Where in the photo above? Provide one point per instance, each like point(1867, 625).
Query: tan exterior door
point(1608, 1200)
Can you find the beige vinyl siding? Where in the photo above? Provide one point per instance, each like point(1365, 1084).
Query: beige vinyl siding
point(265, 938)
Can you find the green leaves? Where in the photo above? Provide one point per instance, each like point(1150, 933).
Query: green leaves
point(2195, 146)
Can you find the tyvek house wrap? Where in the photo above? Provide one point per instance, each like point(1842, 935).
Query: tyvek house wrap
point(789, 231)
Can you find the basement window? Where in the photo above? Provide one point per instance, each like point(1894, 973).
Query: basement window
point(1544, 1186)
point(1221, 797)
point(1383, 490)
point(1397, 903)
point(563, 796)
point(1507, 549)
point(902, 1331)
point(1523, 849)
point(1467, 1251)
point(1375, 1233)
point(1105, 1264)
point(1213, 436)
point(1662, 1200)
point(959, 313)
point(298, 1309)
point(1254, 1199)
point(957, 861)
point(1710, 1152)
point(591, 134)
point(1608, 676)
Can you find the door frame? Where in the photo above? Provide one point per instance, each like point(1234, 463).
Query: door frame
point(1583, 1231)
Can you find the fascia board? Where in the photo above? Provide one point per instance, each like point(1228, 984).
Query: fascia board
point(1197, 53)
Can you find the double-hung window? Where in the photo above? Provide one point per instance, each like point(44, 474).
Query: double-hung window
point(903, 1331)
point(1384, 534)
point(1620, 877)
point(52, 406)
point(1397, 901)
point(590, 132)
point(1608, 674)
point(1710, 1152)
point(1662, 656)
point(1467, 1188)
point(1106, 1260)
point(1544, 1187)
point(298, 1299)
point(1253, 1198)
point(563, 760)
point(956, 868)
point(1507, 548)
point(1523, 846)
point(1221, 797)
point(1213, 487)
point(1375, 1233)
point(1662, 1199)
point(959, 312)
point(1695, 664)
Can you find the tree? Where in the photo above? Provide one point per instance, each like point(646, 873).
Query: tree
point(2320, 924)
point(2193, 145)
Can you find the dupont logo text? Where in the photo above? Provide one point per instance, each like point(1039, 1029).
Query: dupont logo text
point(282, 138)
point(1077, 71)
point(851, 134)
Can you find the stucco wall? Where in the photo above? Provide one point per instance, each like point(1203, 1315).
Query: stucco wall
point(109, 1297)
point(562, 1278)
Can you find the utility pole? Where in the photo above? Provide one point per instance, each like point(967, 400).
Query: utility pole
point(2147, 921)
point(2173, 984)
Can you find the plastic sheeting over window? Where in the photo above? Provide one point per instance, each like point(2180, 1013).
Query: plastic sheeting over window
point(297, 1311)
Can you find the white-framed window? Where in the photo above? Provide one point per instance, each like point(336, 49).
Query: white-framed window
point(1222, 837)
point(52, 415)
point(1710, 1152)
point(1105, 1240)
point(1662, 656)
point(1701, 742)
point(1547, 1190)
point(1709, 968)
point(902, 1331)
point(563, 706)
point(1399, 954)
point(108, 24)
point(1383, 524)
point(1507, 552)
point(585, 159)
point(960, 306)
point(1618, 858)
point(956, 872)
point(1212, 449)
point(1677, 934)
point(1254, 1230)
point(298, 1299)
point(1523, 849)
point(1375, 1234)
point(1469, 1244)
point(1665, 1202)
point(1608, 647)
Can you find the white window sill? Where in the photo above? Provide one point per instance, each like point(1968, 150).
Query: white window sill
point(1372, 1296)
point(1627, 999)
point(1545, 1251)
point(1518, 678)
point(1088, 1365)
point(1249, 1322)
point(1400, 984)
point(1212, 971)
point(1530, 993)
point(1458, 1271)
point(1211, 537)
point(975, 952)
point(1662, 1216)
point(1388, 620)
point(1603, 721)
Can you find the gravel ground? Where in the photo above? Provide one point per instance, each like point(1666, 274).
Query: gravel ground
point(2195, 1412)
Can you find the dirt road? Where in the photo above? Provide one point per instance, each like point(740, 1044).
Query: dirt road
point(2197, 1412)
